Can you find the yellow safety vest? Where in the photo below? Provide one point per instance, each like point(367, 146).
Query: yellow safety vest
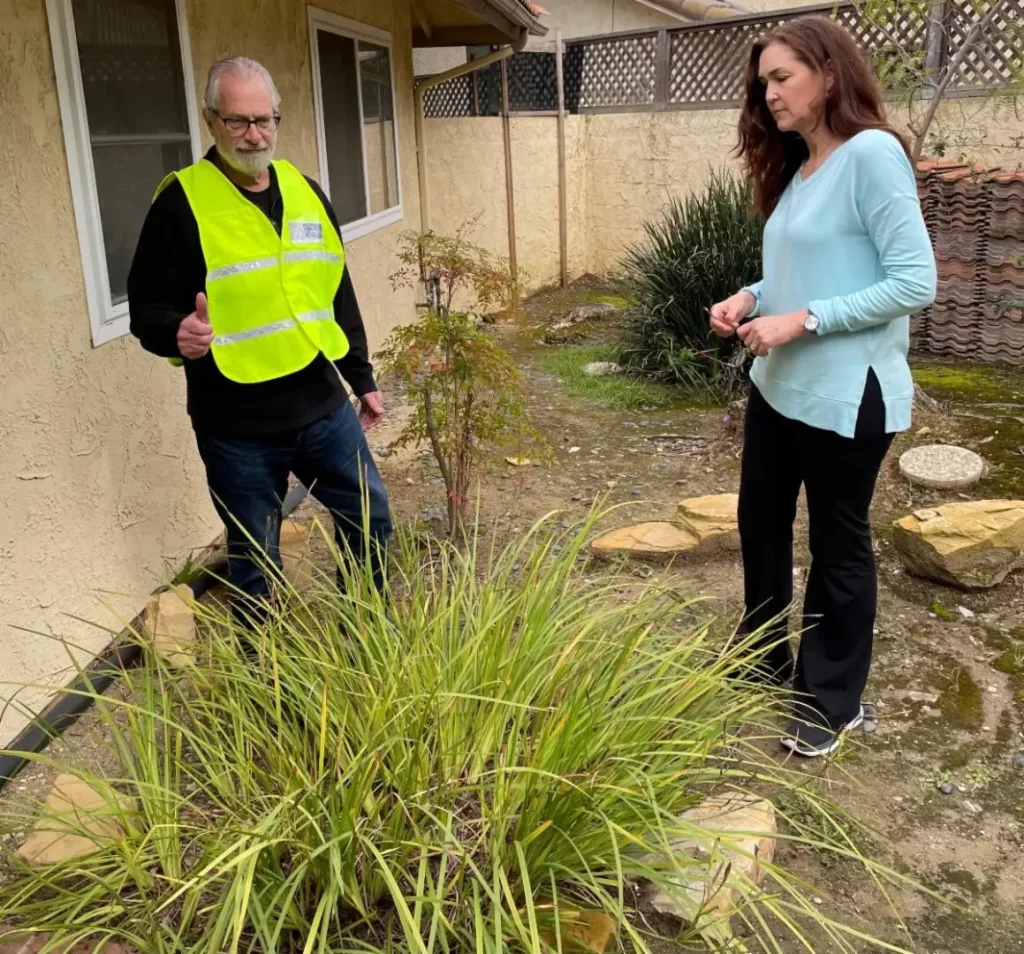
point(270, 296)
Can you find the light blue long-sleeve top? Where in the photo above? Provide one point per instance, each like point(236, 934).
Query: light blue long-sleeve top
point(850, 244)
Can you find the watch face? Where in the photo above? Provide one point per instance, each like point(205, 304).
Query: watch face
point(811, 322)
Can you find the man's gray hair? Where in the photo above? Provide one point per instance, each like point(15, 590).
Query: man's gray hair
point(243, 67)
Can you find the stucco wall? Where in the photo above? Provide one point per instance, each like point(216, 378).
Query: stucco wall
point(466, 179)
point(622, 169)
point(592, 17)
point(102, 493)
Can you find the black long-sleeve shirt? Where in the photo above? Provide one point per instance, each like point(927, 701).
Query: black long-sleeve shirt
point(167, 273)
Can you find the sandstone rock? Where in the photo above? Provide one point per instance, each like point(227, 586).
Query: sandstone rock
point(647, 541)
point(597, 369)
point(583, 930)
point(29, 942)
point(734, 840)
point(942, 466)
point(296, 561)
point(171, 625)
point(76, 819)
point(971, 545)
point(712, 520)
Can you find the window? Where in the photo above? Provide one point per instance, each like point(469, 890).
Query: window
point(355, 110)
point(129, 118)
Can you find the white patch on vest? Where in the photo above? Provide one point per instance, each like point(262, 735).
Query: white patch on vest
point(306, 233)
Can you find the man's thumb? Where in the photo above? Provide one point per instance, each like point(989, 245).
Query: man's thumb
point(201, 309)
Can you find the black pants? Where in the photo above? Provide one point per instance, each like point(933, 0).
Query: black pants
point(839, 476)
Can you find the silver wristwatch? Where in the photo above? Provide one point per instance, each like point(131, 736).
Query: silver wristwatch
point(811, 323)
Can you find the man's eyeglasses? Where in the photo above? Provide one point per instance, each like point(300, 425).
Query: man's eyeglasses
point(239, 124)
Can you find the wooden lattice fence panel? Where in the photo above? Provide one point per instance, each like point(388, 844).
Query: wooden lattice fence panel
point(997, 61)
point(706, 67)
point(531, 83)
point(702, 65)
point(619, 72)
point(454, 98)
point(707, 63)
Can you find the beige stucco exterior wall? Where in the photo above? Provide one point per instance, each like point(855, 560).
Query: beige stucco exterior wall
point(466, 179)
point(592, 17)
point(636, 162)
point(101, 492)
point(622, 169)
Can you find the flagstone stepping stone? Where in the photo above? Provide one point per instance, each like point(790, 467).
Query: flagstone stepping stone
point(712, 520)
point(76, 820)
point(656, 541)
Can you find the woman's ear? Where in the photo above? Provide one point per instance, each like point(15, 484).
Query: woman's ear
point(830, 80)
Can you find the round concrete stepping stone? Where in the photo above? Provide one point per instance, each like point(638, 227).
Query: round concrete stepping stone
point(942, 466)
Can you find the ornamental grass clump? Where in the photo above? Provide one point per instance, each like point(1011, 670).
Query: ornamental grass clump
point(463, 764)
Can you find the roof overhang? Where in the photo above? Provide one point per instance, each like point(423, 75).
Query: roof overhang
point(474, 22)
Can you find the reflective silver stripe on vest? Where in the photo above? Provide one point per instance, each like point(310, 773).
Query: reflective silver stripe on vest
point(311, 255)
point(273, 328)
point(258, 332)
point(238, 268)
point(325, 315)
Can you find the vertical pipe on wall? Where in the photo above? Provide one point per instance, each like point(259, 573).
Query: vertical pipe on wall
point(506, 124)
point(563, 206)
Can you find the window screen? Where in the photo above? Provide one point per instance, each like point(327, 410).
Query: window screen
point(130, 61)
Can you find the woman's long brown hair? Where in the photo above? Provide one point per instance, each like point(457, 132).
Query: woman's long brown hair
point(772, 157)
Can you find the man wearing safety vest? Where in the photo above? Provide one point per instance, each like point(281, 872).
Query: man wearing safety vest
point(240, 277)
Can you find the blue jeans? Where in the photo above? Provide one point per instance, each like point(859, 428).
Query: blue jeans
point(248, 480)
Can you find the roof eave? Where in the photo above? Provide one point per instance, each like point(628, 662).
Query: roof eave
point(496, 23)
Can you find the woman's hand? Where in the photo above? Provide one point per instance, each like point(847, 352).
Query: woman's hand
point(726, 315)
point(762, 334)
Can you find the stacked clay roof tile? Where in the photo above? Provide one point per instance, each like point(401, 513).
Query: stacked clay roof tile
point(976, 221)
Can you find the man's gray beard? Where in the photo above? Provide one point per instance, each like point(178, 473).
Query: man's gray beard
point(248, 163)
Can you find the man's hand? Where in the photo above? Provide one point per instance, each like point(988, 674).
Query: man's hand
point(195, 333)
point(762, 334)
point(726, 315)
point(371, 410)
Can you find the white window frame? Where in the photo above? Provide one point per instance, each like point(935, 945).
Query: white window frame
point(353, 30)
point(108, 321)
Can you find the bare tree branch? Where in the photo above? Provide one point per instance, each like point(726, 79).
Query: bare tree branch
point(970, 41)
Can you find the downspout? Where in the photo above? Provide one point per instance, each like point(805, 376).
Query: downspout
point(431, 81)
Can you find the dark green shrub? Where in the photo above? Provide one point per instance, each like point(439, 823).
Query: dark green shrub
point(704, 248)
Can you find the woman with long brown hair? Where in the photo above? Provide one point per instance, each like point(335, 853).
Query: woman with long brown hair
point(846, 260)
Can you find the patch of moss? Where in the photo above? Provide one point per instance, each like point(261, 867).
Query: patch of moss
point(970, 382)
point(995, 639)
point(957, 758)
point(616, 301)
point(1004, 732)
point(1002, 452)
point(961, 701)
point(949, 875)
point(618, 391)
point(1011, 662)
point(947, 614)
